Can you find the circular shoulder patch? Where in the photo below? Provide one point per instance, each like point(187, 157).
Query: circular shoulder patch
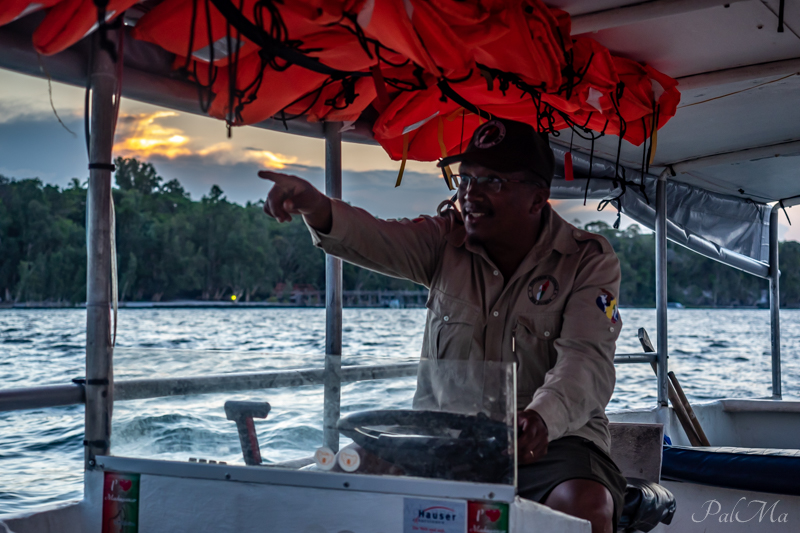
point(543, 290)
point(489, 134)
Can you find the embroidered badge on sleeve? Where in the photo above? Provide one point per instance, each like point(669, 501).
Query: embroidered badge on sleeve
point(608, 305)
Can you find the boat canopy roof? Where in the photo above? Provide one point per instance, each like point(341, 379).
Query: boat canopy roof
point(704, 89)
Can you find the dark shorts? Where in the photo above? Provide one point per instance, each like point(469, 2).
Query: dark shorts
point(572, 458)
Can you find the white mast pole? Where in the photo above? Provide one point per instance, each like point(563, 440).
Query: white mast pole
point(661, 287)
point(333, 297)
point(99, 364)
point(774, 301)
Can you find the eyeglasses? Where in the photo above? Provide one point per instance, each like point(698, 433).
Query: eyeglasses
point(490, 183)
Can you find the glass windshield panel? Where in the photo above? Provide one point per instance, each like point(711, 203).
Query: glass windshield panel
point(437, 419)
point(460, 427)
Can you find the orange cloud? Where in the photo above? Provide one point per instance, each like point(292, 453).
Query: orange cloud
point(270, 159)
point(142, 136)
point(226, 153)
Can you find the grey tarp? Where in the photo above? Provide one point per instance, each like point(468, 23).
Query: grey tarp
point(734, 231)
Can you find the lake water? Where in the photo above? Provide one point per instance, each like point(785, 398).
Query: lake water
point(715, 354)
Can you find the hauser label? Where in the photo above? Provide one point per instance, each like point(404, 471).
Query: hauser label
point(434, 516)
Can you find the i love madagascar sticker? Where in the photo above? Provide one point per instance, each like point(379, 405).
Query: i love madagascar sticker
point(487, 517)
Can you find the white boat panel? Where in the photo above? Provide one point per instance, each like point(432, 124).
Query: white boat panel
point(712, 509)
point(791, 13)
point(740, 423)
point(760, 406)
point(433, 488)
point(62, 518)
point(753, 74)
point(628, 15)
point(200, 498)
point(704, 41)
point(584, 7)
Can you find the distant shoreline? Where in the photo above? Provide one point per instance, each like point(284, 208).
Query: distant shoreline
point(203, 304)
point(194, 304)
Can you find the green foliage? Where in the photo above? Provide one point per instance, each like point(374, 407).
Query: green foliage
point(170, 247)
point(693, 280)
point(42, 241)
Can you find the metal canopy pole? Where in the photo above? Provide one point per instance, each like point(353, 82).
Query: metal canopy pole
point(332, 380)
point(99, 366)
point(774, 301)
point(661, 286)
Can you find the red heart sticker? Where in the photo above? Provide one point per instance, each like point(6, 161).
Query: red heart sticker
point(493, 514)
point(126, 485)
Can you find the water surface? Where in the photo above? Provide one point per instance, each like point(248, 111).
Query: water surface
point(715, 354)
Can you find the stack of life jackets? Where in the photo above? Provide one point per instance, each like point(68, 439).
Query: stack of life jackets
point(431, 71)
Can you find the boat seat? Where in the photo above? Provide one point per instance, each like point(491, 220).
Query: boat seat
point(647, 504)
point(757, 469)
point(636, 450)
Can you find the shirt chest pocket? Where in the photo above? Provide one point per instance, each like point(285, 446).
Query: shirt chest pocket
point(450, 329)
point(534, 348)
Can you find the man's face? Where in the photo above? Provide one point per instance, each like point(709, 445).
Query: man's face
point(495, 215)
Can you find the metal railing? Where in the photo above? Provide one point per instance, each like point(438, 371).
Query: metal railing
point(141, 389)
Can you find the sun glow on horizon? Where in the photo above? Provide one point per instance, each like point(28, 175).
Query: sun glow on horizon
point(142, 136)
point(271, 159)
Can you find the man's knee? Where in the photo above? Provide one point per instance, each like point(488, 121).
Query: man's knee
point(585, 499)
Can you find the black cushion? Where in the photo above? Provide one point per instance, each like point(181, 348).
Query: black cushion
point(647, 504)
point(757, 469)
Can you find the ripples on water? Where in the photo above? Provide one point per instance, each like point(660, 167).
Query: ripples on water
point(715, 354)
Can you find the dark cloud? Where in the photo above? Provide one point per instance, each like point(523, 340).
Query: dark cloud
point(372, 190)
point(36, 145)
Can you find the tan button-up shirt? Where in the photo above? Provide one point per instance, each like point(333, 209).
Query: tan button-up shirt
point(556, 317)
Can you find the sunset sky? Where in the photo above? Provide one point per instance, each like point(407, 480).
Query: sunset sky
point(197, 152)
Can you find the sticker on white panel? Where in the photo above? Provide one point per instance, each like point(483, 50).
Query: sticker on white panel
point(434, 516)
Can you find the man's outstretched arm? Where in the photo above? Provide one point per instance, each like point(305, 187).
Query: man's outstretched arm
point(399, 248)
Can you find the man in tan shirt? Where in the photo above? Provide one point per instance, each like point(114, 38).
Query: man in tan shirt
point(509, 281)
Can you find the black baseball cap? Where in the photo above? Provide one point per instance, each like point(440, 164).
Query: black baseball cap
point(508, 146)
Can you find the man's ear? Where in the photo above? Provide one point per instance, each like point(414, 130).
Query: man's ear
point(539, 199)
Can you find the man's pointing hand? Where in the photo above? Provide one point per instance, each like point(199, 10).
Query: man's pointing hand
point(291, 195)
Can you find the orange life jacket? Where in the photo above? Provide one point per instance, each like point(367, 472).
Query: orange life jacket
point(532, 47)
point(170, 25)
point(646, 93)
point(11, 10)
point(176, 25)
point(432, 69)
point(261, 99)
point(69, 21)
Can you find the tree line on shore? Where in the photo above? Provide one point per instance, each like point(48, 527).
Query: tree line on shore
point(171, 247)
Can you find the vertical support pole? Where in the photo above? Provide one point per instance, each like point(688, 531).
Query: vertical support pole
point(333, 297)
point(661, 287)
point(775, 301)
point(99, 365)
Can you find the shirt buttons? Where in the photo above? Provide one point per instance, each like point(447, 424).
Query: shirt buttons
point(611, 329)
point(446, 318)
point(546, 333)
point(496, 272)
point(496, 313)
point(576, 234)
